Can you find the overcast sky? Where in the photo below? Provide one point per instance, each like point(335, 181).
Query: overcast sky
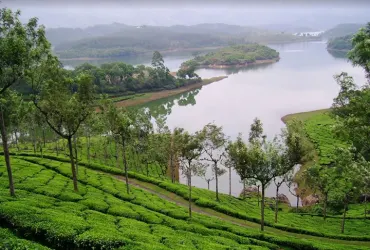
point(82, 13)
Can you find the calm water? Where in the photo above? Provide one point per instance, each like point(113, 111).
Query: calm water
point(301, 81)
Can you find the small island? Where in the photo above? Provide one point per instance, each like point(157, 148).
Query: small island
point(234, 56)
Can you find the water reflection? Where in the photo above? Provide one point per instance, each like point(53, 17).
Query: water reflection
point(338, 54)
point(162, 108)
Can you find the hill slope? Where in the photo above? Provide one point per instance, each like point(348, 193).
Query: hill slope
point(102, 215)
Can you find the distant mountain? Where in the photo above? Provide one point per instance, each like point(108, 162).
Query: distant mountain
point(121, 40)
point(287, 28)
point(343, 30)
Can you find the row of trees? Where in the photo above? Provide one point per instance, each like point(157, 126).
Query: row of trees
point(120, 78)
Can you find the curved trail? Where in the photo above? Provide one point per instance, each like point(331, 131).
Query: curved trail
point(169, 196)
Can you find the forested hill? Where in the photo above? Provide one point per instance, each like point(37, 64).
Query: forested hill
point(343, 30)
point(340, 43)
point(121, 40)
point(237, 55)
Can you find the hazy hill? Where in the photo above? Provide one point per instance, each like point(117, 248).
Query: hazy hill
point(343, 30)
point(120, 40)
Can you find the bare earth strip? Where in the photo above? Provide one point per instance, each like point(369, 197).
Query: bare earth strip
point(152, 96)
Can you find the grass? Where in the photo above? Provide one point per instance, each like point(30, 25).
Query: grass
point(319, 128)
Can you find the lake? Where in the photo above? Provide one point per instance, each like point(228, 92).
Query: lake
point(301, 81)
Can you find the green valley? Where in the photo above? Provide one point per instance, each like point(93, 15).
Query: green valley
point(91, 159)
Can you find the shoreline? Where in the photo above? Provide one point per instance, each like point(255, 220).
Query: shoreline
point(302, 116)
point(288, 117)
point(153, 96)
point(224, 66)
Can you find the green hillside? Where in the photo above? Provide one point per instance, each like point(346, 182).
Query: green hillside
point(340, 43)
point(319, 128)
point(235, 55)
point(116, 40)
point(103, 216)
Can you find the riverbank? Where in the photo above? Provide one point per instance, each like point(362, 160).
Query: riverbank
point(315, 126)
point(303, 116)
point(224, 66)
point(152, 96)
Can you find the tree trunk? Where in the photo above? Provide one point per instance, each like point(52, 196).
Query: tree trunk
point(277, 203)
point(344, 217)
point(172, 168)
point(43, 136)
point(263, 208)
point(258, 195)
point(208, 183)
point(125, 165)
point(189, 181)
point(76, 155)
point(16, 140)
point(88, 148)
point(116, 151)
point(230, 181)
point(74, 174)
point(6, 153)
point(243, 189)
point(147, 168)
point(296, 207)
point(34, 141)
point(325, 204)
point(216, 178)
point(365, 205)
point(57, 146)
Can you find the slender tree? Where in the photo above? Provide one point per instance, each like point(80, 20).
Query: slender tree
point(190, 151)
point(214, 145)
point(228, 163)
point(294, 150)
point(21, 46)
point(258, 160)
point(349, 181)
point(126, 126)
point(320, 178)
point(65, 104)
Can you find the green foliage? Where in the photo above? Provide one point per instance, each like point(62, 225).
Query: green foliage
point(234, 55)
point(351, 109)
point(340, 43)
point(9, 241)
point(360, 55)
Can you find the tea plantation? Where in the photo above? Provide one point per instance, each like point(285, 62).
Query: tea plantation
point(47, 213)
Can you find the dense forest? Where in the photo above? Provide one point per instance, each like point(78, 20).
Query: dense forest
point(119, 78)
point(123, 40)
point(340, 43)
point(235, 55)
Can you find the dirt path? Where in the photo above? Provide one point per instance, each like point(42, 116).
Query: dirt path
point(169, 196)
